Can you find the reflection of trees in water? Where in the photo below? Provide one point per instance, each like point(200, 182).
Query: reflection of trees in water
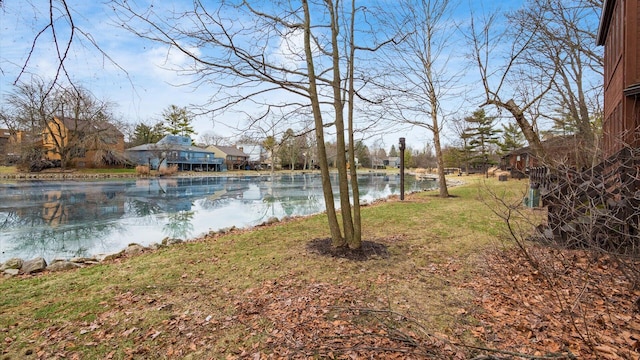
point(58, 205)
point(215, 200)
point(179, 225)
point(59, 218)
point(141, 208)
point(180, 194)
point(295, 194)
point(69, 218)
point(12, 219)
point(72, 242)
point(381, 184)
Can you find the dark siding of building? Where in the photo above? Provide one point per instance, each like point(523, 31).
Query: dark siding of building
point(620, 34)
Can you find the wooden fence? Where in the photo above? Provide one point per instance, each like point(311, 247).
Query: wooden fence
point(598, 206)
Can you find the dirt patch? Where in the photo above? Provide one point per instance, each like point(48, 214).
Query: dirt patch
point(369, 251)
point(438, 196)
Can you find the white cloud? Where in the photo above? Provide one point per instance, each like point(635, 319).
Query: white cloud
point(169, 62)
point(290, 51)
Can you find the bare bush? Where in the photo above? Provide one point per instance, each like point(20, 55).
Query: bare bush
point(168, 170)
point(143, 170)
point(597, 209)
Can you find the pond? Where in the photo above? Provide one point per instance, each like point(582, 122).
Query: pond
point(65, 219)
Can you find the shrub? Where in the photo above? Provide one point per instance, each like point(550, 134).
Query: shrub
point(41, 164)
point(143, 170)
point(168, 170)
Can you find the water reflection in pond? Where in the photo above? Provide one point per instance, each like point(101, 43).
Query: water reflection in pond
point(64, 219)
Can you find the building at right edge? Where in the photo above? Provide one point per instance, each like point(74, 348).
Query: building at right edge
point(619, 33)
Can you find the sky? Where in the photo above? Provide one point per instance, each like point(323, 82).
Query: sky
point(137, 75)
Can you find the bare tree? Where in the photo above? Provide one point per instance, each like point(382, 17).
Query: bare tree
point(551, 62)
point(60, 29)
point(564, 44)
point(29, 105)
point(422, 79)
point(26, 109)
point(266, 128)
point(268, 56)
point(502, 82)
point(71, 120)
point(210, 138)
point(80, 123)
point(462, 149)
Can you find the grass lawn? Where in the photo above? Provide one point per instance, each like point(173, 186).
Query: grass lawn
point(106, 171)
point(14, 170)
point(263, 294)
point(8, 170)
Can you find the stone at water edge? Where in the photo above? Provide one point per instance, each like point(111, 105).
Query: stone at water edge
point(171, 241)
point(107, 257)
point(63, 265)
point(13, 263)
point(134, 249)
point(84, 260)
point(11, 272)
point(34, 265)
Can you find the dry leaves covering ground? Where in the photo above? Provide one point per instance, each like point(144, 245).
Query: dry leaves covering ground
point(572, 306)
point(283, 319)
point(571, 302)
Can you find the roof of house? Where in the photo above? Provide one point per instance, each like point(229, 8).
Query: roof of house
point(552, 144)
point(82, 124)
point(171, 143)
point(605, 21)
point(229, 150)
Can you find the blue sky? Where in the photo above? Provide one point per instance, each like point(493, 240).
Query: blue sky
point(141, 84)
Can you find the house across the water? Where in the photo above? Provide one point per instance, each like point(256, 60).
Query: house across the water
point(234, 158)
point(175, 150)
point(82, 143)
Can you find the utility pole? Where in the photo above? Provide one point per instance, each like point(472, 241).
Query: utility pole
point(402, 168)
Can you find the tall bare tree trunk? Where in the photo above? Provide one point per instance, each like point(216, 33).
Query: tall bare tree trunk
point(241, 55)
point(423, 82)
point(442, 181)
point(334, 227)
point(356, 240)
point(341, 161)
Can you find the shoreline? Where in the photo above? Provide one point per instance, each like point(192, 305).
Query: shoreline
point(73, 174)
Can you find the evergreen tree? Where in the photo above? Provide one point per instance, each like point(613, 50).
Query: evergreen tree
point(145, 134)
point(289, 150)
point(454, 157)
point(512, 138)
point(468, 149)
point(270, 144)
point(483, 137)
point(393, 152)
point(363, 155)
point(177, 121)
point(564, 125)
point(408, 158)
